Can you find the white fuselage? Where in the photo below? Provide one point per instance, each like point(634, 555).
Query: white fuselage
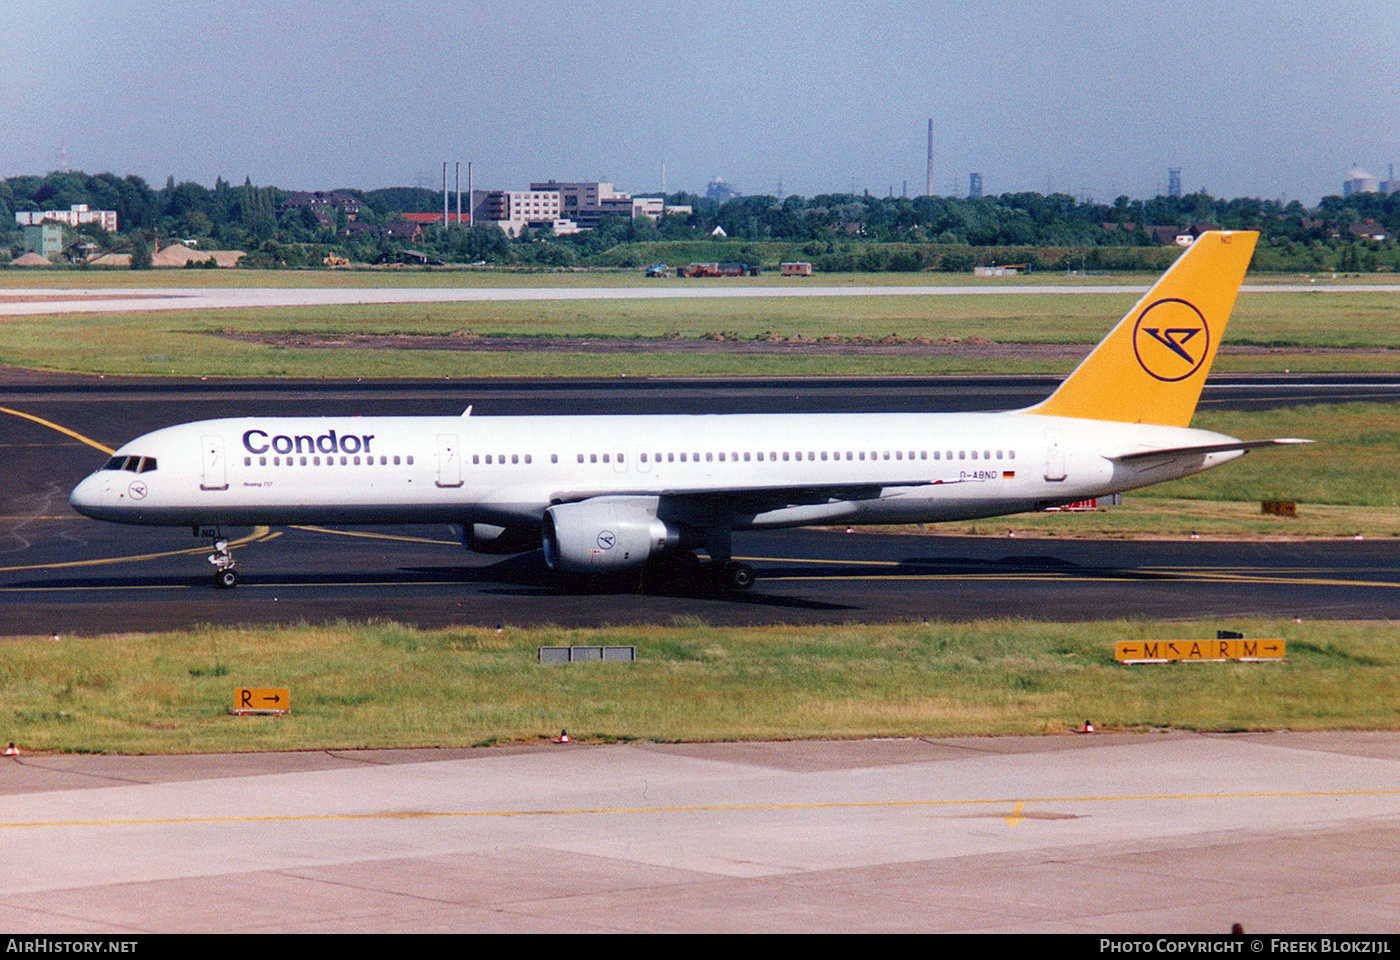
point(880, 468)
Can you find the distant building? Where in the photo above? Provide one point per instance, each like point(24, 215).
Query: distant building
point(45, 239)
point(1173, 181)
point(1367, 230)
point(324, 205)
point(587, 202)
point(514, 210)
point(974, 184)
point(720, 191)
point(1392, 185)
point(76, 216)
point(1360, 181)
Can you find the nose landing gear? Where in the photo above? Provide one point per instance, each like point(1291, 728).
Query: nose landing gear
point(224, 576)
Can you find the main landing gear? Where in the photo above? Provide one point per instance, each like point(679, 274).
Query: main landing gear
point(737, 576)
point(224, 576)
point(685, 571)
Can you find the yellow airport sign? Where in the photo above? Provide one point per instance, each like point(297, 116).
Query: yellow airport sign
point(262, 700)
point(1168, 651)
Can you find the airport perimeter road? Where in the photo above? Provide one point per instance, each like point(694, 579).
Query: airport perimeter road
point(22, 302)
point(1164, 833)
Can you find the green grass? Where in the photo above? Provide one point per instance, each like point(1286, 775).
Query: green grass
point(387, 685)
point(181, 342)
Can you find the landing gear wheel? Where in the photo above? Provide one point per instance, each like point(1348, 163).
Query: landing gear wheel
point(226, 579)
point(738, 576)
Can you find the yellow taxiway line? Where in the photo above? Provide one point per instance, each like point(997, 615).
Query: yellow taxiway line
point(1018, 805)
point(63, 430)
point(259, 534)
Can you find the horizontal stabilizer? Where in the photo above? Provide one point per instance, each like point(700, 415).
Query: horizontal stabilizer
point(1241, 445)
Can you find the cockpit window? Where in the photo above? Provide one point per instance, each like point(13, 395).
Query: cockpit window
point(133, 464)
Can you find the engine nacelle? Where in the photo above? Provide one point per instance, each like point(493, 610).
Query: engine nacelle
point(605, 534)
point(489, 538)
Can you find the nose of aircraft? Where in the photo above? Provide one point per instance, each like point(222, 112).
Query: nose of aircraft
point(88, 496)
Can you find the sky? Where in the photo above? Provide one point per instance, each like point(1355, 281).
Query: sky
point(1266, 98)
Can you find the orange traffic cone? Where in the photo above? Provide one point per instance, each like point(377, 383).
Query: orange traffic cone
point(563, 737)
point(12, 750)
point(1087, 728)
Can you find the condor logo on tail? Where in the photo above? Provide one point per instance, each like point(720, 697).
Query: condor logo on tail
point(1171, 339)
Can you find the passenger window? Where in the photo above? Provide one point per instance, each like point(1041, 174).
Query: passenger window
point(396, 461)
point(247, 461)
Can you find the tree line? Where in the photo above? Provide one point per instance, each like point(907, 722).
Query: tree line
point(838, 226)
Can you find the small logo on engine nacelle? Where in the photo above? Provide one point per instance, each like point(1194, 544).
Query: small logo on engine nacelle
point(607, 540)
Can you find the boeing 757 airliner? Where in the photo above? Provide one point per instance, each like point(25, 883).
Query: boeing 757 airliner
point(609, 494)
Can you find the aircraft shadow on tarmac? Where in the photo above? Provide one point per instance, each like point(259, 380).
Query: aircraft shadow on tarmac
point(528, 575)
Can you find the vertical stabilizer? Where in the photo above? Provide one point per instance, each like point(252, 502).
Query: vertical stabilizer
point(1152, 365)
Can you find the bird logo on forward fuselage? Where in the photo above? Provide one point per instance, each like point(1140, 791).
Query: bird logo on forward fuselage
point(1171, 339)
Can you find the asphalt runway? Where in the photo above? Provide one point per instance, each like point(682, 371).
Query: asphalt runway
point(1169, 833)
point(63, 573)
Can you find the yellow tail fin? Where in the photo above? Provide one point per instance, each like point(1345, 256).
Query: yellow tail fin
point(1152, 365)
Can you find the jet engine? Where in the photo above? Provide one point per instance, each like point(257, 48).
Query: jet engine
point(489, 538)
point(605, 534)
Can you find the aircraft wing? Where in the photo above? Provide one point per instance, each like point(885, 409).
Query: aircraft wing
point(760, 497)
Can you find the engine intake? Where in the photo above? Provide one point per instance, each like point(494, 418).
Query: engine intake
point(605, 534)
